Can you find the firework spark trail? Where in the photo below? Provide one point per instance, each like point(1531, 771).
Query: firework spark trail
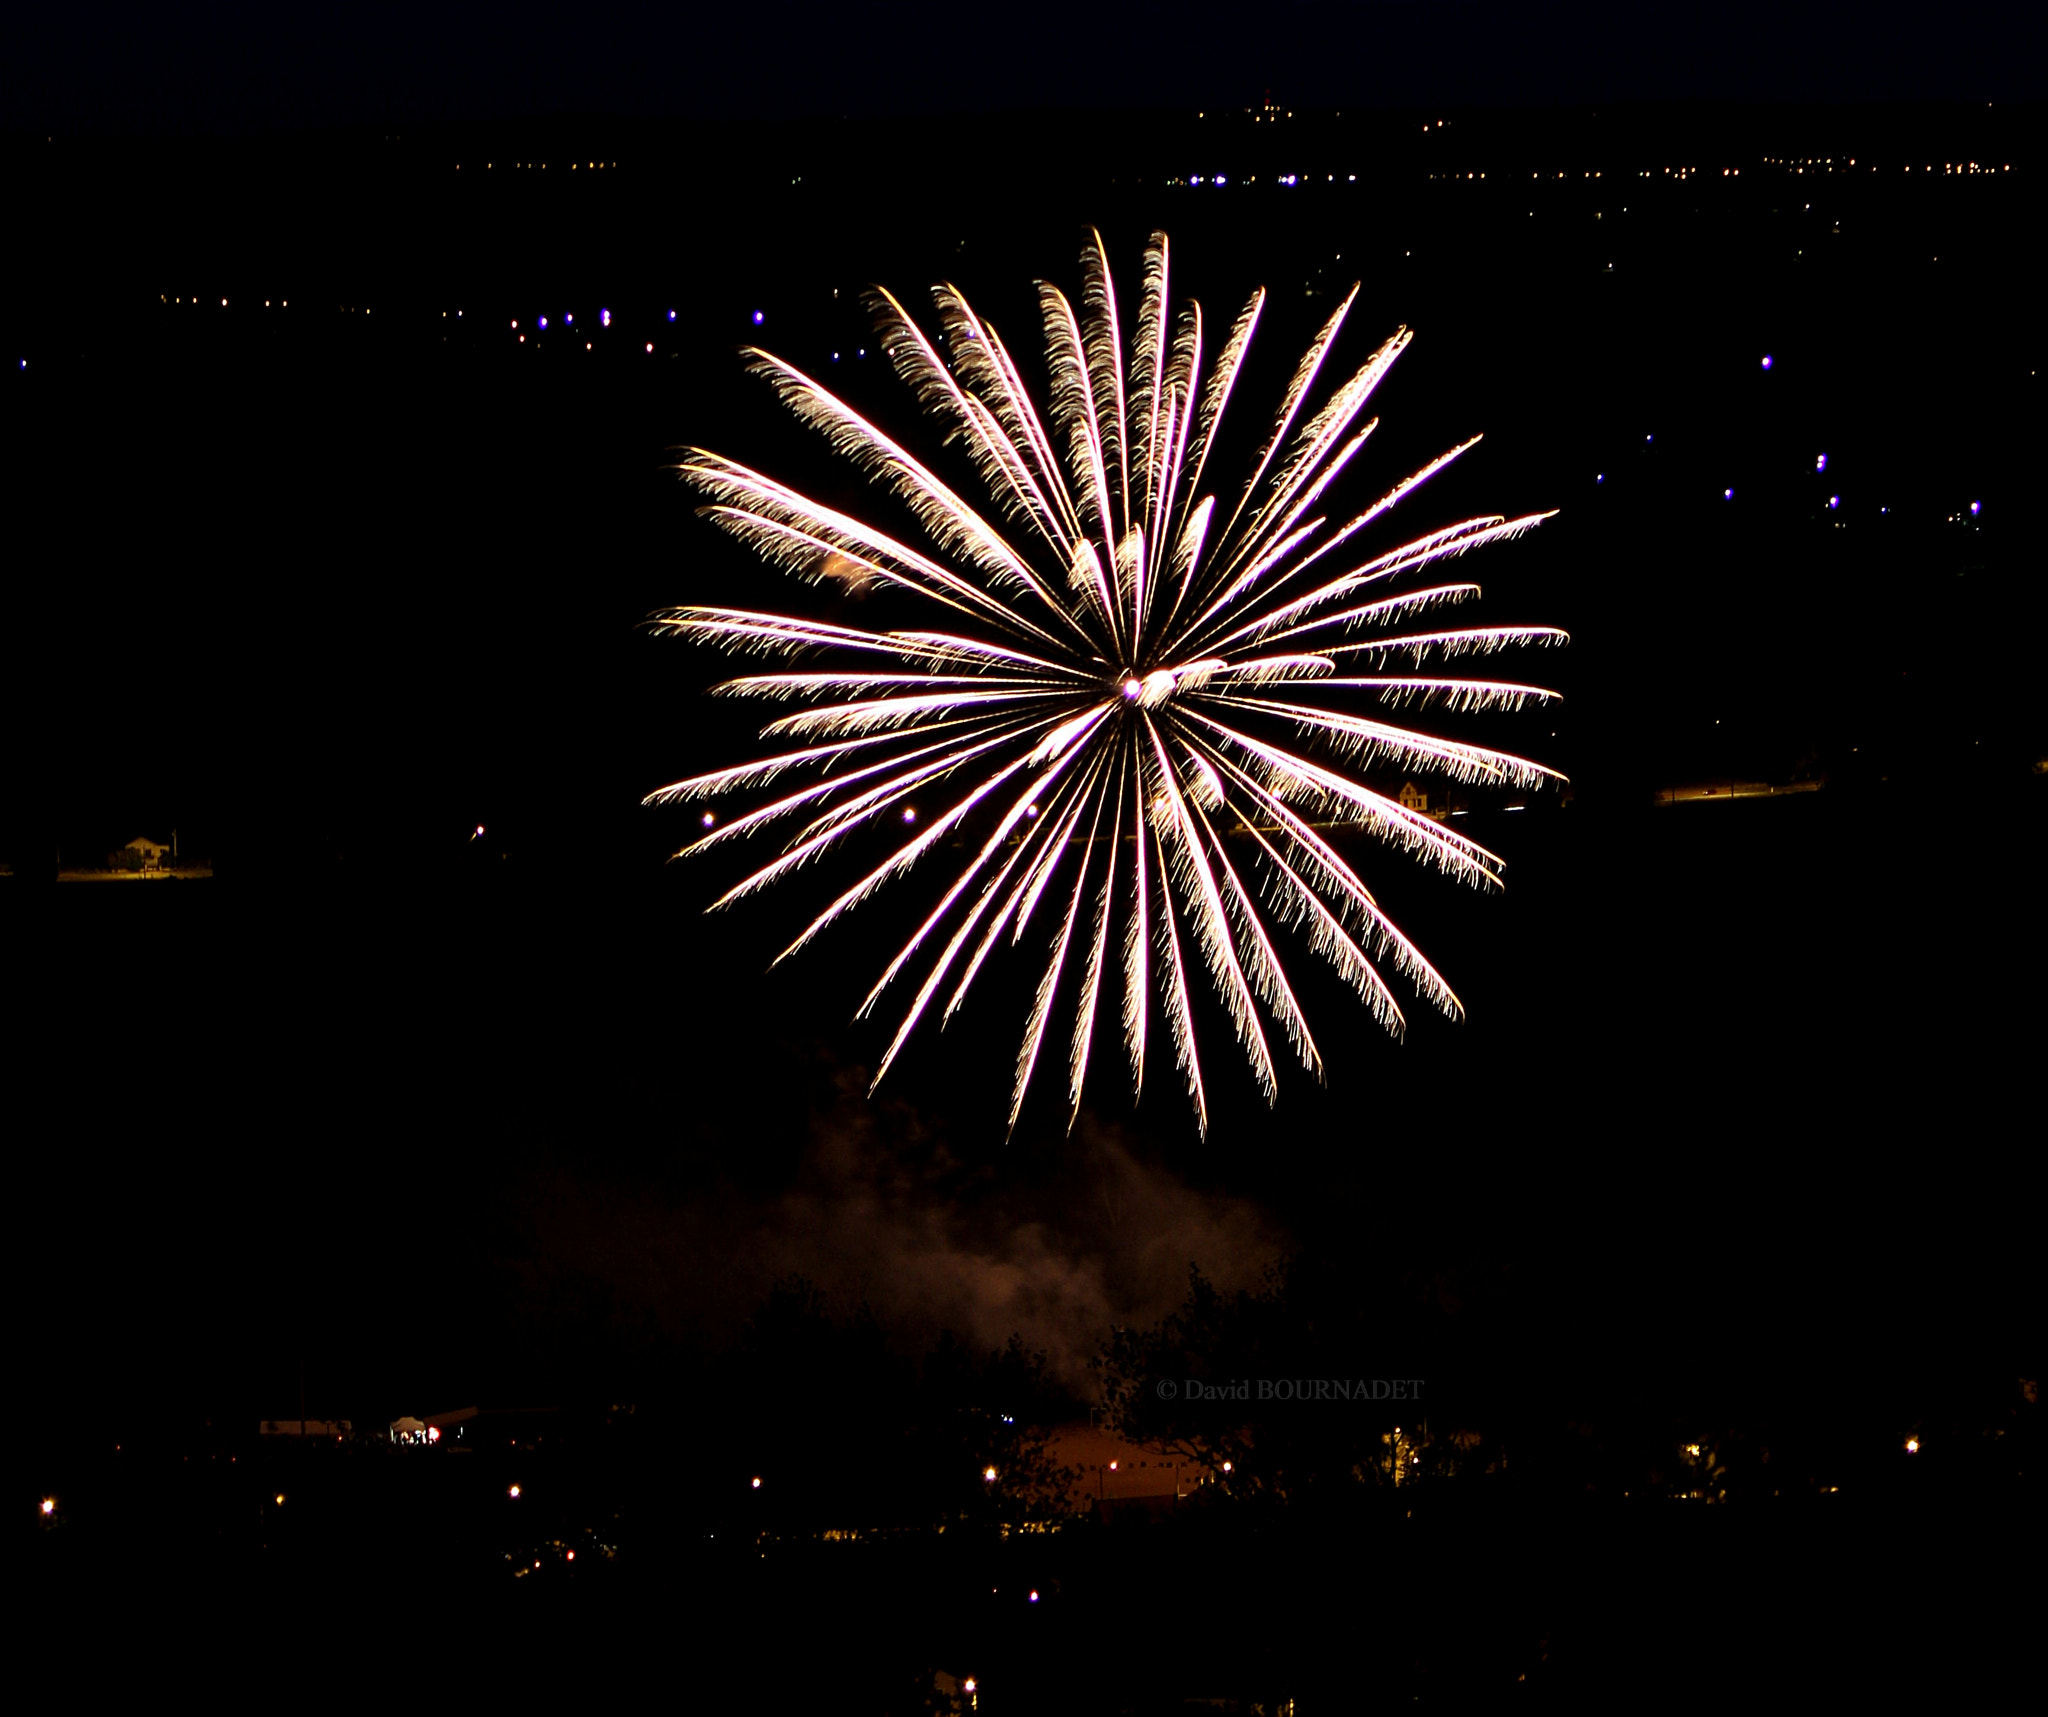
point(1127, 682)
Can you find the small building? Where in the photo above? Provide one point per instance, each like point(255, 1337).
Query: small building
point(142, 853)
point(1439, 805)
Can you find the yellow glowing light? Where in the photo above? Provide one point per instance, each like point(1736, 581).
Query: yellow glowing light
point(756, 1485)
point(513, 1492)
point(989, 1473)
point(1912, 1445)
point(49, 1505)
point(279, 1499)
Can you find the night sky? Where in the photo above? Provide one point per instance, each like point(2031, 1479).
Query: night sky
point(249, 68)
point(331, 589)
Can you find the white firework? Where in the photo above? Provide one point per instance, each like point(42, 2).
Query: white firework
point(1146, 705)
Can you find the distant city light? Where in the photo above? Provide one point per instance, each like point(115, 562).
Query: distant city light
point(604, 318)
point(671, 315)
point(1834, 501)
point(1821, 464)
point(909, 815)
point(1601, 478)
point(756, 1485)
point(989, 1474)
point(543, 322)
point(513, 1493)
point(757, 318)
point(709, 819)
point(1767, 360)
point(49, 1505)
point(1034, 1597)
point(566, 320)
point(1976, 507)
point(1727, 494)
point(1912, 1445)
point(650, 345)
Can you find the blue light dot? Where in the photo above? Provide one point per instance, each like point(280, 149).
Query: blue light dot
point(1601, 478)
point(757, 318)
point(1976, 507)
point(1767, 360)
point(671, 315)
point(543, 321)
point(1834, 501)
point(1821, 464)
point(604, 318)
point(1727, 494)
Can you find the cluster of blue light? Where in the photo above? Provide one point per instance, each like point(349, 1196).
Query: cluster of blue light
point(1833, 504)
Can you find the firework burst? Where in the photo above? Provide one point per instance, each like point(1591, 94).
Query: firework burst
point(1146, 703)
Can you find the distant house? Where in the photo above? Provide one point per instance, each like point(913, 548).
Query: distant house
point(1415, 798)
point(142, 853)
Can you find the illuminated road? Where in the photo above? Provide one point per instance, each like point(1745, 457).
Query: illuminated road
point(1733, 790)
